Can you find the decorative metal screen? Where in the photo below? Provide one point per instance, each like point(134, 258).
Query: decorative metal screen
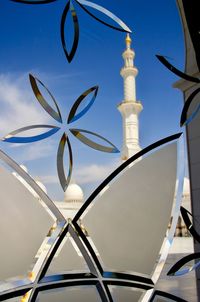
point(116, 245)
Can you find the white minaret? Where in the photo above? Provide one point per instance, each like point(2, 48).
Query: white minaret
point(130, 107)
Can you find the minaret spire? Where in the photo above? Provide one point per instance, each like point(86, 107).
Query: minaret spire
point(129, 107)
point(128, 41)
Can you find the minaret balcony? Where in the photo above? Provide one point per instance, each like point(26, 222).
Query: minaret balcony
point(127, 71)
point(130, 107)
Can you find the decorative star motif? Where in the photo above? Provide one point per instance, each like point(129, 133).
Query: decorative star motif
point(78, 133)
point(69, 9)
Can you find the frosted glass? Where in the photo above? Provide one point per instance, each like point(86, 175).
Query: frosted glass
point(128, 222)
point(24, 224)
point(121, 294)
point(75, 294)
point(68, 258)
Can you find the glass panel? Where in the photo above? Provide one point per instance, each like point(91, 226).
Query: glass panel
point(23, 226)
point(121, 294)
point(83, 294)
point(134, 213)
point(68, 258)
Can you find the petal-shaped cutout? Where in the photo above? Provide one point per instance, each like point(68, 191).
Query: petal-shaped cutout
point(73, 248)
point(168, 296)
point(185, 214)
point(12, 138)
point(184, 119)
point(69, 7)
point(34, 1)
point(123, 27)
point(72, 115)
point(176, 268)
point(176, 71)
point(73, 261)
point(60, 166)
point(55, 114)
point(78, 134)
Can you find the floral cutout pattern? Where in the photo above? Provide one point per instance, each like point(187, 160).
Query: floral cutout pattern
point(78, 133)
point(70, 10)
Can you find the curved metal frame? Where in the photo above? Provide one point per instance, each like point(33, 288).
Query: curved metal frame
point(184, 119)
point(78, 134)
point(60, 158)
point(176, 71)
point(123, 27)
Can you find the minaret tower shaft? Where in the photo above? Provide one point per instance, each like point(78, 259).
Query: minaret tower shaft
point(130, 108)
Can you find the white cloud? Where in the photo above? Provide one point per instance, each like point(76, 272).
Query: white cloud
point(94, 173)
point(85, 175)
point(49, 179)
point(18, 107)
point(35, 151)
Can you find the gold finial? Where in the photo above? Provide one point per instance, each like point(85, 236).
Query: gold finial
point(128, 41)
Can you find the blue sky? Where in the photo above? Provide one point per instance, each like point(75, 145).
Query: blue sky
point(30, 43)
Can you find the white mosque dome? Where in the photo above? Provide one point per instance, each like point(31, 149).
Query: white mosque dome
point(74, 193)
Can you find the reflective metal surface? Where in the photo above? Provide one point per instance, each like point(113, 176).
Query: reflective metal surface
point(185, 119)
point(78, 134)
point(55, 114)
point(176, 71)
point(12, 138)
point(177, 199)
point(123, 27)
point(60, 165)
point(69, 8)
point(72, 115)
